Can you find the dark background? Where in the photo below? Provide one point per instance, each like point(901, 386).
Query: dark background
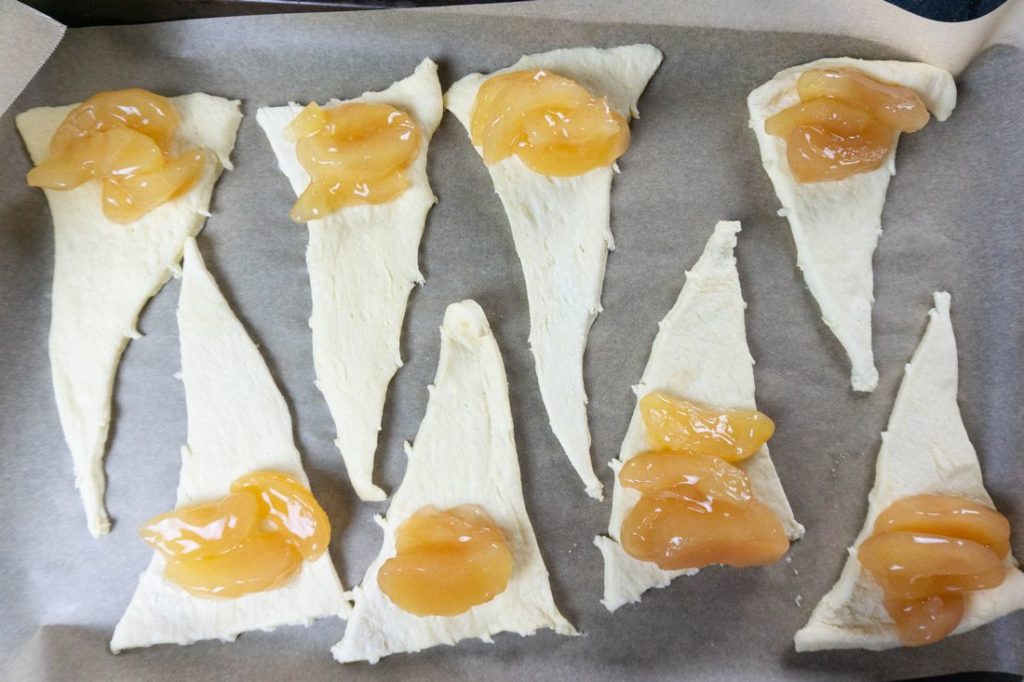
point(104, 12)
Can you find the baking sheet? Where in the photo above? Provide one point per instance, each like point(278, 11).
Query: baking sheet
point(22, 58)
point(952, 222)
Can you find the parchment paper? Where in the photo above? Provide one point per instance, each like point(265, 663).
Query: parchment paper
point(952, 222)
point(27, 38)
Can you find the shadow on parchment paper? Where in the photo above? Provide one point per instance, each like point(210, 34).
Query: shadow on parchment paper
point(996, 182)
point(59, 653)
point(389, 420)
point(20, 238)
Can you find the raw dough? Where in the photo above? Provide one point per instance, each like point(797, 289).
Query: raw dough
point(464, 453)
point(238, 422)
point(362, 263)
point(700, 353)
point(926, 450)
point(836, 224)
point(104, 273)
point(562, 234)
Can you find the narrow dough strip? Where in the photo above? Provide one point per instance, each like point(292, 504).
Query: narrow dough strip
point(562, 233)
point(104, 273)
point(701, 353)
point(362, 263)
point(926, 450)
point(238, 422)
point(464, 453)
point(836, 225)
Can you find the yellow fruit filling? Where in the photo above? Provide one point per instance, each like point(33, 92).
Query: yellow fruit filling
point(696, 507)
point(252, 539)
point(553, 124)
point(124, 139)
point(354, 153)
point(675, 423)
point(845, 123)
point(926, 552)
point(446, 562)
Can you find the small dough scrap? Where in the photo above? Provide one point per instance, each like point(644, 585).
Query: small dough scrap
point(562, 232)
point(836, 224)
point(700, 353)
point(925, 451)
point(465, 453)
point(362, 263)
point(238, 423)
point(105, 272)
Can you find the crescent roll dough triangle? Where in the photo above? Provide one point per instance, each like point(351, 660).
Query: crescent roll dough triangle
point(464, 453)
point(925, 450)
point(362, 263)
point(700, 353)
point(562, 234)
point(238, 423)
point(104, 273)
point(836, 224)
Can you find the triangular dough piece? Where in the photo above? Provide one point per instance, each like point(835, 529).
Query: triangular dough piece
point(465, 453)
point(702, 356)
point(925, 450)
point(238, 422)
point(362, 263)
point(562, 234)
point(836, 225)
point(104, 273)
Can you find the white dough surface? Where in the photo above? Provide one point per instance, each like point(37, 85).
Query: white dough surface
point(362, 263)
point(700, 353)
point(925, 451)
point(105, 273)
point(836, 225)
point(238, 423)
point(464, 453)
point(562, 232)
